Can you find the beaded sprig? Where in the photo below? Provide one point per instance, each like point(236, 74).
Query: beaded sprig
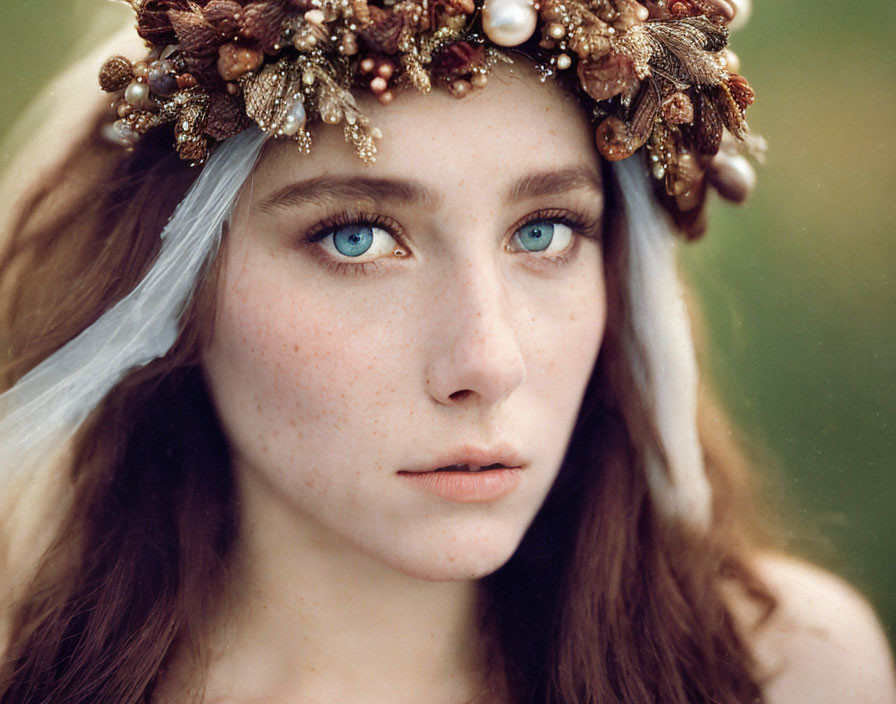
point(657, 73)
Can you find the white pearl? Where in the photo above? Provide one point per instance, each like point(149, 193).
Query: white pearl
point(137, 94)
point(743, 10)
point(315, 17)
point(294, 120)
point(508, 22)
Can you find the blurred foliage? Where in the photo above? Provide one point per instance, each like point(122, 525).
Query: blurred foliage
point(798, 290)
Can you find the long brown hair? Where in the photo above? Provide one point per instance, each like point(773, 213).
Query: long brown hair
point(603, 601)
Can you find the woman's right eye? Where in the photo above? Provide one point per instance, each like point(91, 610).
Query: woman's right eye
point(359, 242)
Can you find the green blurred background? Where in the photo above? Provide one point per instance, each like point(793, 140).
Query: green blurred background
point(798, 289)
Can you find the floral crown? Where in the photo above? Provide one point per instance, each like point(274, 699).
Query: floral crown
point(656, 73)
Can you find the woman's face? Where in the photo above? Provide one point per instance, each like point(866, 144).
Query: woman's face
point(440, 308)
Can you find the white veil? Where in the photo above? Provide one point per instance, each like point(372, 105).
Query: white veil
point(46, 406)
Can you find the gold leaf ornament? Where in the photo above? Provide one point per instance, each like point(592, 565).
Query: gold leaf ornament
point(271, 93)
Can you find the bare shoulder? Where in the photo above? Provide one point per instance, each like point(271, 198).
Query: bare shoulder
point(823, 644)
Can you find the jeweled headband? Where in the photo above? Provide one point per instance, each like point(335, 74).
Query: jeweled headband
point(656, 74)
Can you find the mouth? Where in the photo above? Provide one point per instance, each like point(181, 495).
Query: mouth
point(471, 459)
point(470, 475)
point(473, 467)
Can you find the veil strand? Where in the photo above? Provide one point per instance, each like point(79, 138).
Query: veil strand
point(661, 353)
point(47, 405)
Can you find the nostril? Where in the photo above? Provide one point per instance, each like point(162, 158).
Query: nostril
point(461, 395)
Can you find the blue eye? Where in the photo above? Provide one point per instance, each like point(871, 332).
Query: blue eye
point(360, 242)
point(536, 236)
point(353, 240)
point(549, 236)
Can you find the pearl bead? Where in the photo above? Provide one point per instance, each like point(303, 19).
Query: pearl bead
point(460, 88)
point(556, 30)
point(563, 62)
point(508, 22)
point(315, 17)
point(120, 133)
point(733, 177)
point(732, 62)
point(385, 70)
point(479, 80)
point(743, 9)
point(137, 94)
point(294, 120)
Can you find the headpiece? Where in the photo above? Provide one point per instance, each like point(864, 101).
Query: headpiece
point(656, 74)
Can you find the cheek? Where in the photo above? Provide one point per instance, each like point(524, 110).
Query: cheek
point(569, 332)
point(286, 363)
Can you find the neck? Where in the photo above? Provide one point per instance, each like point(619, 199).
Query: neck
point(307, 618)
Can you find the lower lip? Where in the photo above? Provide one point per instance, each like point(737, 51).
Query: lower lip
point(479, 487)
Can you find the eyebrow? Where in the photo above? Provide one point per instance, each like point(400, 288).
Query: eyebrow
point(549, 183)
point(340, 188)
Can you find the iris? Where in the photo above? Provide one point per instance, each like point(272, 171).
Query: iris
point(353, 240)
point(536, 236)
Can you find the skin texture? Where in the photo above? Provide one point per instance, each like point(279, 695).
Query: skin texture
point(331, 381)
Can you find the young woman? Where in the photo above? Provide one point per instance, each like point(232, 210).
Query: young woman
point(420, 429)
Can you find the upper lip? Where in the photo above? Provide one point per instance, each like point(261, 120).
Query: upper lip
point(475, 458)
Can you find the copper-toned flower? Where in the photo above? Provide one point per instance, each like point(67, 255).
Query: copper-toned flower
point(224, 16)
point(198, 42)
point(235, 61)
point(226, 116)
point(607, 76)
point(457, 59)
point(384, 31)
point(678, 109)
point(153, 22)
point(614, 142)
point(741, 91)
point(262, 23)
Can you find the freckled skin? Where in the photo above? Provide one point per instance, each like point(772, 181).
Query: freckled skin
point(329, 383)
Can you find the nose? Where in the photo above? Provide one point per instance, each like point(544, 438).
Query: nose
point(475, 357)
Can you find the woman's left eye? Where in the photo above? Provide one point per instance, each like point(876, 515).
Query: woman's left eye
point(359, 242)
point(542, 237)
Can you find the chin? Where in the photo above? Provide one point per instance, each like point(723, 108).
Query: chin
point(457, 558)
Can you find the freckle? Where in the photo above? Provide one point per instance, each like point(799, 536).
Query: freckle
point(295, 348)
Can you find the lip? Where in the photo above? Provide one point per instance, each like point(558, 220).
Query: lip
point(470, 486)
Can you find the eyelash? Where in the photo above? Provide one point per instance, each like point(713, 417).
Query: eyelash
point(581, 226)
point(347, 217)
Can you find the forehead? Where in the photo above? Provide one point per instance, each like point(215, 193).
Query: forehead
point(516, 124)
